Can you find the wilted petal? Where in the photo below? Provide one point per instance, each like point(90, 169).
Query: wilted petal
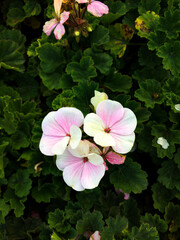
point(57, 7)
point(51, 127)
point(93, 124)
point(110, 112)
point(68, 116)
point(60, 147)
point(97, 8)
point(124, 144)
point(115, 158)
point(59, 31)
point(64, 17)
point(81, 150)
point(126, 125)
point(95, 236)
point(47, 143)
point(104, 139)
point(66, 159)
point(49, 26)
point(72, 175)
point(92, 175)
point(99, 97)
point(76, 135)
point(95, 159)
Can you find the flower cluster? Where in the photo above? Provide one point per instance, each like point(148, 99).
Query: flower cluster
point(74, 17)
point(82, 162)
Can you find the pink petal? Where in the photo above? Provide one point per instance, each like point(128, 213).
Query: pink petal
point(72, 175)
point(126, 196)
point(68, 116)
point(106, 167)
point(95, 236)
point(64, 17)
point(49, 26)
point(51, 127)
point(57, 7)
point(110, 112)
point(97, 8)
point(47, 143)
point(126, 125)
point(66, 159)
point(92, 175)
point(115, 158)
point(59, 31)
point(124, 144)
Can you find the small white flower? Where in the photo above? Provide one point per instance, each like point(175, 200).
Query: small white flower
point(177, 107)
point(99, 97)
point(163, 142)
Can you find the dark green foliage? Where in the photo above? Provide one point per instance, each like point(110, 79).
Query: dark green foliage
point(133, 55)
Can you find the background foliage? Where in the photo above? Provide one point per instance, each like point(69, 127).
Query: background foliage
point(133, 54)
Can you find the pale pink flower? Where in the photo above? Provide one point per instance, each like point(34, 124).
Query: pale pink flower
point(126, 195)
point(82, 167)
point(95, 236)
point(61, 128)
point(96, 8)
point(112, 125)
point(57, 22)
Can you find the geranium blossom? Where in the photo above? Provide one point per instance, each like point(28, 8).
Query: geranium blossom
point(95, 236)
point(82, 167)
point(112, 125)
point(57, 22)
point(96, 8)
point(61, 128)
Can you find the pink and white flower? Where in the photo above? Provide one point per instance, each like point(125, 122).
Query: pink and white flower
point(95, 236)
point(57, 22)
point(96, 8)
point(112, 125)
point(82, 167)
point(61, 128)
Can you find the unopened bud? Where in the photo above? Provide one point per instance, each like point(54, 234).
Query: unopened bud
point(76, 33)
point(89, 29)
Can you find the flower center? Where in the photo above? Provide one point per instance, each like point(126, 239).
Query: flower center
point(68, 135)
point(85, 159)
point(107, 130)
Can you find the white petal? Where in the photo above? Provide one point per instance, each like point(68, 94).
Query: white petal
point(81, 150)
point(72, 176)
point(60, 147)
point(66, 159)
point(92, 175)
point(124, 144)
point(99, 97)
point(95, 159)
point(163, 142)
point(47, 143)
point(104, 139)
point(76, 135)
point(93, 124)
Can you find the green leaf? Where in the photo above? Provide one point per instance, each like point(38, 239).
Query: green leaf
point(21, 183)
point(20, 140)
point(15, 16)
point(32, 7)
point(148, 58)
point(14, 36)
point(65, 99)
point(161, 196)
point(129, 177)
point(73, 212)
point(114, 228)
point(16, 203)
point(156, 40)
point(170, 52)
point(82, 71)
point(170, 23)
point(118, 83)
point(150, 92)
point(100, 35)
point(116, 10)
point(102, 61)
point(10, 58)
point(57, 221)
point(4, 210)
point(2, 148)
point(177, 158)
point(83, 93)
point(169, 175)
point(149, 5)
point(44, 192)
point(144, 232)
point(155, 221)
point(90, 222)
point(172, 215)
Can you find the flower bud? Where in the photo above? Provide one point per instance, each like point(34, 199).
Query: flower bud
point(99, 97)
point(76, 33)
